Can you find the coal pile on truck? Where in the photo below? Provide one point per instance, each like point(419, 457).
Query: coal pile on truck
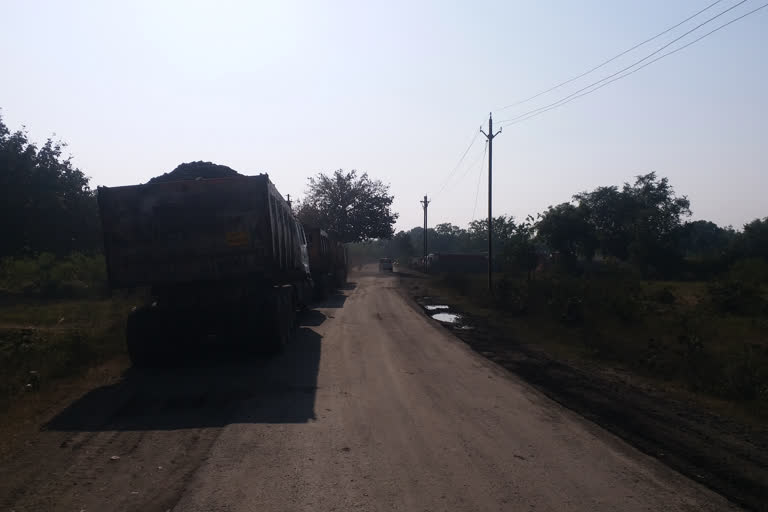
point(196, 170)
point(222, 253)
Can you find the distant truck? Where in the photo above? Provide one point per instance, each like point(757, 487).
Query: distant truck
point(327, 260)
point(223, 257)
point(340, 260)
point(385, 265)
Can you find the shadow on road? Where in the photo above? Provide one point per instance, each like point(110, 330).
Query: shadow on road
point(334, 301)
point(215, 389)
point(312, 318)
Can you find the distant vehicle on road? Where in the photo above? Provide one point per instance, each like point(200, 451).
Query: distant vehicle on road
point(385, 265)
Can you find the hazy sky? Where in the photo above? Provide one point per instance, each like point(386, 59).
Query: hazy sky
point(397, 89)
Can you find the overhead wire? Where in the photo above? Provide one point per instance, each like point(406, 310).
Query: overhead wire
point(671, 52)
point(592, 70)
point(655, 52)
point(461, 159)
point(479, 178)
point(474, 163)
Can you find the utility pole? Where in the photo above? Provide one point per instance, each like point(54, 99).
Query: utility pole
point(425, 203)
point(490, 136)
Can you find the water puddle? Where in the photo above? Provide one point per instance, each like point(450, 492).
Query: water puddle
point(435, 307)
point(448, 318)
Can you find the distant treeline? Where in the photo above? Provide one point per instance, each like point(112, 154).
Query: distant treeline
point(48, 207)
point(641, 224)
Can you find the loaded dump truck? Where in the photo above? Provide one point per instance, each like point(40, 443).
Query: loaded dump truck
point(340, 260)
point(225, 260)
point(327, 259)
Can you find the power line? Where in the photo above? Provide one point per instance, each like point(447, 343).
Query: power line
point(473, 164)
point(479, 178)
point(461, 159)
point(585, 73)
point(625, 68)
point(565, 101)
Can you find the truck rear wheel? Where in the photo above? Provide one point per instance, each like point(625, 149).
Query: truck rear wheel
point(280, 320)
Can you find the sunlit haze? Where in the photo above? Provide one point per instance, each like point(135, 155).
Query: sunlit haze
point(398, 89)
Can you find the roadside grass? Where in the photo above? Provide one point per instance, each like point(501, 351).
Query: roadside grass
point(708, 339)
point(46, 275)
point(43, 341)
point(56, 322)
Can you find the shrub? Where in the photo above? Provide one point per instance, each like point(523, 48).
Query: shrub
point(754, 270)
point(459, 282)
point(743, 377)
point(736, 297)
point(663, 296)
point(46, 275)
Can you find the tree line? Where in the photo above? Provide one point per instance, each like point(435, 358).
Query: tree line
point(47, 206)
point(643, 224)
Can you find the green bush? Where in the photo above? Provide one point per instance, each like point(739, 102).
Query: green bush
point(663, 295)
point(754, 270)
point(459, 282)
point(744, 377)
point(43, 340)
point(736, 297)
point(45, 275)
point(31, 359)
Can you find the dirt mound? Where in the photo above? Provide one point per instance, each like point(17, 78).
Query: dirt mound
point(194, 170)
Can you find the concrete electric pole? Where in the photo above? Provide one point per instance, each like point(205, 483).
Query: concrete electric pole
point(490, 136)
point(425, 203)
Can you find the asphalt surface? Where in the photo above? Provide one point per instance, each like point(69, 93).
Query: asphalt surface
point(373, 407)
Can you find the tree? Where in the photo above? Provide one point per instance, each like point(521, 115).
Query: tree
point(520, 249)
point(503, 228)
point(356, 207)
point(610, 212)
point(402, 247)
point(46, 204)
point(755, 238)
point(705, 239)
point(639, 222)
point(566, 229)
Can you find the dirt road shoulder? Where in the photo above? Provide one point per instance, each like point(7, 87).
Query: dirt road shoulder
point(727, 455)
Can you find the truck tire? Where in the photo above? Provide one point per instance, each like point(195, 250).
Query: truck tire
point(320, 289)
point(279, 321)
point(139, 331)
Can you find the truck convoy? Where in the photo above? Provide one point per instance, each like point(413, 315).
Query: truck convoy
point(224, 258)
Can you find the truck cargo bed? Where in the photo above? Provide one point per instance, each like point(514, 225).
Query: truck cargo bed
point(199, 230)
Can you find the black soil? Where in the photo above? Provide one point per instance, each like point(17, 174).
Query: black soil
point(194, 170)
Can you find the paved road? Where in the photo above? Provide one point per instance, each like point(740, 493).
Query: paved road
point(374, 407)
